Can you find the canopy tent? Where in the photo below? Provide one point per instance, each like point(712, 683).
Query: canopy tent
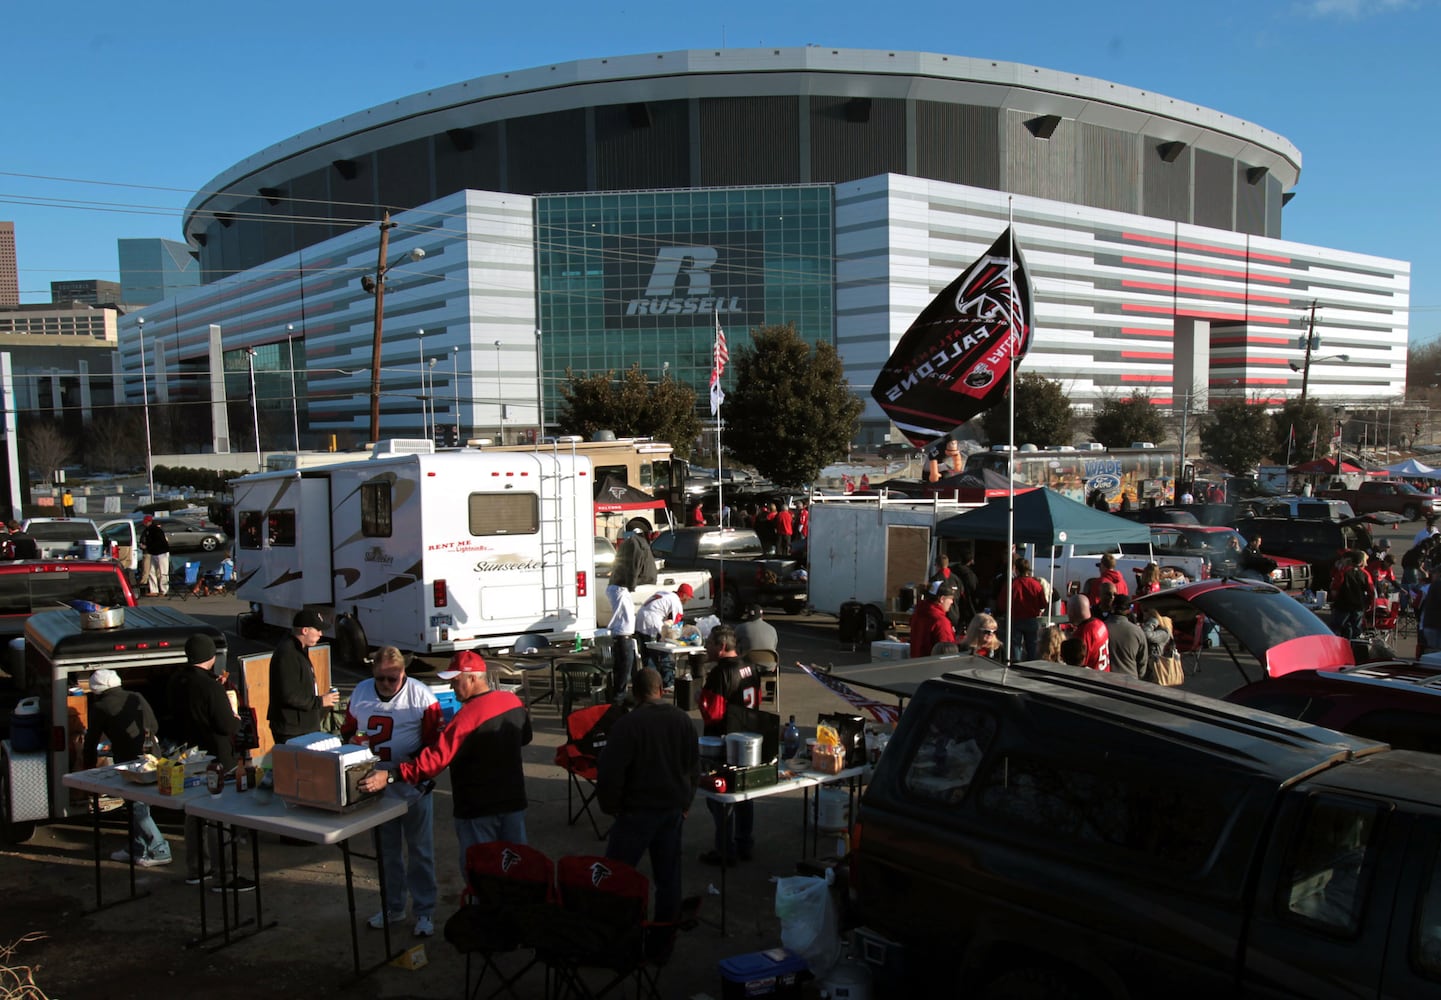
point(1324, 467)
point(1412, 469)
point(614, 497)
point(1044, 517)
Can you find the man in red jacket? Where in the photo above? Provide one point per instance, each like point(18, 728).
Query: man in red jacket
point(931, 622)
point(1025, 611)
point(481, 746)
point(1091, 631)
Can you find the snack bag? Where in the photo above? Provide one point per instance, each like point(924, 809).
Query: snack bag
point(172, 776)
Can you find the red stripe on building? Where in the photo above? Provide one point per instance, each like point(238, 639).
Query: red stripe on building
point(1145, 378)
point(1150, 355)
point(1145, 331)
point(1162, 241)
point(1203, 293)
point(1199, 314)
point(1215, 272)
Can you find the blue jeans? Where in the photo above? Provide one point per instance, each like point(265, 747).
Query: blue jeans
point(487, 829)
point(623, 657)
point(658, 832)
point(659, 660)
point(146, 840)
point(737, 836)
point(417, 874)
point(1026, 637)
point(1346, 624)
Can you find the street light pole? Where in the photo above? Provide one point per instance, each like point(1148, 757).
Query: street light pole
point(420, 351)
point(145, 392)
point(294, 405)
point(1306, 363)
point(455, 387)
point(430, 393)
point(254, 409)
point(385, 227)
point(499, 395)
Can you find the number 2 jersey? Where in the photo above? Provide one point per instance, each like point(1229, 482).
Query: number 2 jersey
point(395, 728)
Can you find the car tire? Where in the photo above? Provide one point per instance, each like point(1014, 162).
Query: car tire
point(794, 607)
point(875, 627)
point(728, 605)
point(352, 651)
point(210, 543)
point(1412, 512)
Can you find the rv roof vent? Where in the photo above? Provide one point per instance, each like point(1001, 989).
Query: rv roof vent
point(1064, 447)
point(1000, 447)
point(1029, 448)
point(1092, 446)
point(478, 442)
point(603, 436)
point(403, 446)
point(569, 439)
point(1143, 444)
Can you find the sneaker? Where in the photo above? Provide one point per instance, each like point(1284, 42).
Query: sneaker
point(122, 856)
point(238, 884)
point(423, 927)
point(197, 879)
point(153, 860)
point(380, 920)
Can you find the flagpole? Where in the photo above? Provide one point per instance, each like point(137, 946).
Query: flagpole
point(719, 355)
point(1011, 455)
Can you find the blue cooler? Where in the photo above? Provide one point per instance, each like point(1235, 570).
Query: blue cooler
point(773, 973)
point(27, 727)
point(449, 703)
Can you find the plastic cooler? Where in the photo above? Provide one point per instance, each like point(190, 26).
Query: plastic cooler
point(449, 703)
point(773, 973)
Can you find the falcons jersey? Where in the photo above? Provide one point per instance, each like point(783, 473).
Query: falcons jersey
point(395, 728)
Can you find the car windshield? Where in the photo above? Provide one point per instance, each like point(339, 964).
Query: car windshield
point(62, 531)
point(744, 544)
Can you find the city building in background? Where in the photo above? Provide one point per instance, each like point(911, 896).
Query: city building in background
point(9, 271)
point(838, 190)
point(152, 270)
point(88, 291)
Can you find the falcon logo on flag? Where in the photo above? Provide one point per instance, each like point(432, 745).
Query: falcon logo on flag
point(508, 859)
point(599, 873)
point(719, 356)
point(954, 360)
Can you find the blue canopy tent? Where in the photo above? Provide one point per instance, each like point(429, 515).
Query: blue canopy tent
point(1045, 518)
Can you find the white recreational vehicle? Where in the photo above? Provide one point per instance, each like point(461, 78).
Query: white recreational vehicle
point(429, 552)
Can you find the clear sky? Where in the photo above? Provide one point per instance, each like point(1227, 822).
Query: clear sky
point(115, 115)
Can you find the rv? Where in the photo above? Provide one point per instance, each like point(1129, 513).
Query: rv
point(429, 552)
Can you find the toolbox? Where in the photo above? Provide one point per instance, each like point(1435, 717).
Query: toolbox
point(748, 779)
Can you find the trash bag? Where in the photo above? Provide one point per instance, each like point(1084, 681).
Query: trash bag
point(808, 921)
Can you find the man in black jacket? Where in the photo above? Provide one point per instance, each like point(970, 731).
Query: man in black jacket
point(199, 704)
point(156, 547)
point(648, 773)
point(294, 704)
point(125, 718)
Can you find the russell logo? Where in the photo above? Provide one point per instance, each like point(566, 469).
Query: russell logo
point(671, 265)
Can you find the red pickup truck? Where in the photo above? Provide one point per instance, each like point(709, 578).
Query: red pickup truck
point(1386, 495)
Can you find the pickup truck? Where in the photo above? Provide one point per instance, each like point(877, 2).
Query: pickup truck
point(1386, 495)
point(741, 574)
point(1048, 831)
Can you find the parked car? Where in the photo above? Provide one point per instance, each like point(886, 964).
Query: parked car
point(32, 585)
point(741, 572)
point(1223, 550)
point(62, 537)
point(1048, 831)
point(187, 534)
point(1159, 515)
point(1392, 495)
point(1317, 542)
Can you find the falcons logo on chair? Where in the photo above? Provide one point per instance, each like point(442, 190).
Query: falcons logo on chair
point(508, 860)
point(599, 873)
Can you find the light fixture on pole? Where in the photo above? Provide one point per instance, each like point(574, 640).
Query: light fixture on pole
point(294, 406)
point(499, 394)
point(376, 286)
point(145, 393)
point(254, 409)
point(455, 387)
point(1305, 368)
point(420, 351)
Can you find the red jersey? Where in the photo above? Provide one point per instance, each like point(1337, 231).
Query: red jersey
point(1093, 633)
point(1028, 597)
point(929, 625)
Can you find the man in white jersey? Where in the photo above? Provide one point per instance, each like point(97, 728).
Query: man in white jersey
point(661, 609)
point(396, 716)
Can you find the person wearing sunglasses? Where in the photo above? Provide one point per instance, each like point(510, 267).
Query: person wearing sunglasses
point(943, 460)
point(981, 637)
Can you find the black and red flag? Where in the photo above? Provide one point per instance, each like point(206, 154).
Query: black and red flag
point(954, 362)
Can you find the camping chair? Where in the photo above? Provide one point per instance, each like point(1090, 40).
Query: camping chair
point(503, 882)
point(1190, 638)
point(769, 662)
point(189, 580)
point(599, 922)
point(1380, 621)
point(585, 731)
point(515, 669)
point(218, 580)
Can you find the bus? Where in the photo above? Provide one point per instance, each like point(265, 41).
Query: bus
point(1145, 474)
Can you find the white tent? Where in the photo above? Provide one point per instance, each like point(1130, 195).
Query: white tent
point(1412, 469)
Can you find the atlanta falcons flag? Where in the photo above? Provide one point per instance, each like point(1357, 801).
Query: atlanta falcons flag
point(954, 360)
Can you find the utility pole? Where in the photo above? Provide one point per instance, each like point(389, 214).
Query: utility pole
point(1306, 363)
point(385, 227)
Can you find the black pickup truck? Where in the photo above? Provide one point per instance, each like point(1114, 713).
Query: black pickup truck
point(1047, 831)
point(741, 572)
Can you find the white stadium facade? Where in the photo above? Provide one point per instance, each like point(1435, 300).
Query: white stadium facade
point(596, 214)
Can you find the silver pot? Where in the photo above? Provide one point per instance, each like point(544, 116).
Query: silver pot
point(102, 619)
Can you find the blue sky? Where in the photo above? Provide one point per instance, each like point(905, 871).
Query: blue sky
point(137, 106)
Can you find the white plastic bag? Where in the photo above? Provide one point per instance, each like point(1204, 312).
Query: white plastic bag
point(808, 921)
point(706, 624)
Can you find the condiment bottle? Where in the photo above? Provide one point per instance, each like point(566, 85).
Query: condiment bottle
point(215, 777)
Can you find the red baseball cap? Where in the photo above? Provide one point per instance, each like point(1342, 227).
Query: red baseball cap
point(685, 592)
point(467, 661)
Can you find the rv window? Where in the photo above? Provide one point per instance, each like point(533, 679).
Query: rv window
point(504, 513)
point(375, 510)
point(251, 535)
point(281, 528)
point(617, 472)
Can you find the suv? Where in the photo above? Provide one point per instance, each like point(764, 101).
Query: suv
point(1048, 831)
point(1314, 541)
point(1224, 551)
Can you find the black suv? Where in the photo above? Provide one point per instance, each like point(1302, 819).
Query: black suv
point(1048, 831)
point(1313, 541)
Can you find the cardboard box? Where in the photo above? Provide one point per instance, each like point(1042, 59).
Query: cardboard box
point(882, 650)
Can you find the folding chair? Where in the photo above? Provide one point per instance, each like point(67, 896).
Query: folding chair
point(769, 662)
point(1381, 619)
point(585, 731)
point(599, 922)
point(218, 580)
point(189, 579)
point(503, 882)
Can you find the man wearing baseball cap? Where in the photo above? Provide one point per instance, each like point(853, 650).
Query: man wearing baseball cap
point(126, 719)
point(481, 746)
point(661, 609)
point(294, 703)
point(199, 703)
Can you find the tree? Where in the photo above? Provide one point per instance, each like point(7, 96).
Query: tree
point(1043, 413)
point(1311, 422)
point(46, 448)
point(631, 406)
point(1237, 435)
point(791, 411)
point(1119, 423)
point(115, 442)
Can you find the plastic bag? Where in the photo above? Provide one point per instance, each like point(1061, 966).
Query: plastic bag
point(706, 624)
point(808, 921)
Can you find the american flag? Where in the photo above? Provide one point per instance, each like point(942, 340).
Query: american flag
point(718, 365)
point(879, 711)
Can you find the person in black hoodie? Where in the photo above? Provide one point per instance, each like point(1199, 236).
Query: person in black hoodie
point(126, 719)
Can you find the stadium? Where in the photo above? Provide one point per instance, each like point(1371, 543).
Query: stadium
point(595, 214)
